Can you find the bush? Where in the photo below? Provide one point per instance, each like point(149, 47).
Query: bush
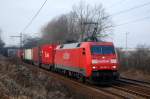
point(136, 59)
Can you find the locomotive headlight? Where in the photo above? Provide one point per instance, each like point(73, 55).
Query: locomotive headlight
point(94, 67)
point(94, 61)
point(113, 60)
point(114, 67)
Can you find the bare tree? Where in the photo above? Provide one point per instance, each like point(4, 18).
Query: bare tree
point(1, 41)
point(77, 25)
point(2, 44)
point(56, 30)
point(138, 59)
point(86, 15)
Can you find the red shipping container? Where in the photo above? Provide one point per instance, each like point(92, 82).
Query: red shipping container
point(20, 53)
point(36, 55)
point(47, 54)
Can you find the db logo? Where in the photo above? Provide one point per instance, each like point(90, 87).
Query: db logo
point(46, 55)
point(66, 56)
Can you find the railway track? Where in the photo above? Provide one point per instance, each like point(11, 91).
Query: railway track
point(137, 82)
point(133, 90)
point(115, 92)
point(123, 89)
point(133, 86)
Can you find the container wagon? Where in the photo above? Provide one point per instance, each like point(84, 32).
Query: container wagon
point(28, 57)
point(36, 56)
point(20, 53)
point(47, 56)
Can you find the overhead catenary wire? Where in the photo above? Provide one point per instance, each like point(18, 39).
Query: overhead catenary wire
point(30, 22)
point(130, 9)
point(133, 21)
point(114, 14)
point(116, 4)
point(36, 14)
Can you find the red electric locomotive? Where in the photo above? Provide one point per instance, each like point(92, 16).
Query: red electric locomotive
point(96, 61)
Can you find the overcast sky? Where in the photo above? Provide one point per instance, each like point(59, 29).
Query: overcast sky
point(15, 15)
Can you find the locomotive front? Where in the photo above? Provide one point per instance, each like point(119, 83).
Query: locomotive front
point(104, 62)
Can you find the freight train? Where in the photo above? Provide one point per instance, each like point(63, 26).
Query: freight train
point(92, 61)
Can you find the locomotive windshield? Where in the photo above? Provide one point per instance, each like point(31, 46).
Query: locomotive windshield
point(98, 49)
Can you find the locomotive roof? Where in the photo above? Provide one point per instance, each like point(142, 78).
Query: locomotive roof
point(77, 45)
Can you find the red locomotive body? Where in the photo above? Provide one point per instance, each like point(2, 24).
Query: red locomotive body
point(92, 60)
point(47, 55)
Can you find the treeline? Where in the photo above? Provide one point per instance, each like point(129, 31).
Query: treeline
point(2, 44)
point(138, 59)
point(77, 25)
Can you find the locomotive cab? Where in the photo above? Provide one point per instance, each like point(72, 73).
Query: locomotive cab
point(104, 62)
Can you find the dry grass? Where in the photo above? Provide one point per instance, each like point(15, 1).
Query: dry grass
point(19, 82)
